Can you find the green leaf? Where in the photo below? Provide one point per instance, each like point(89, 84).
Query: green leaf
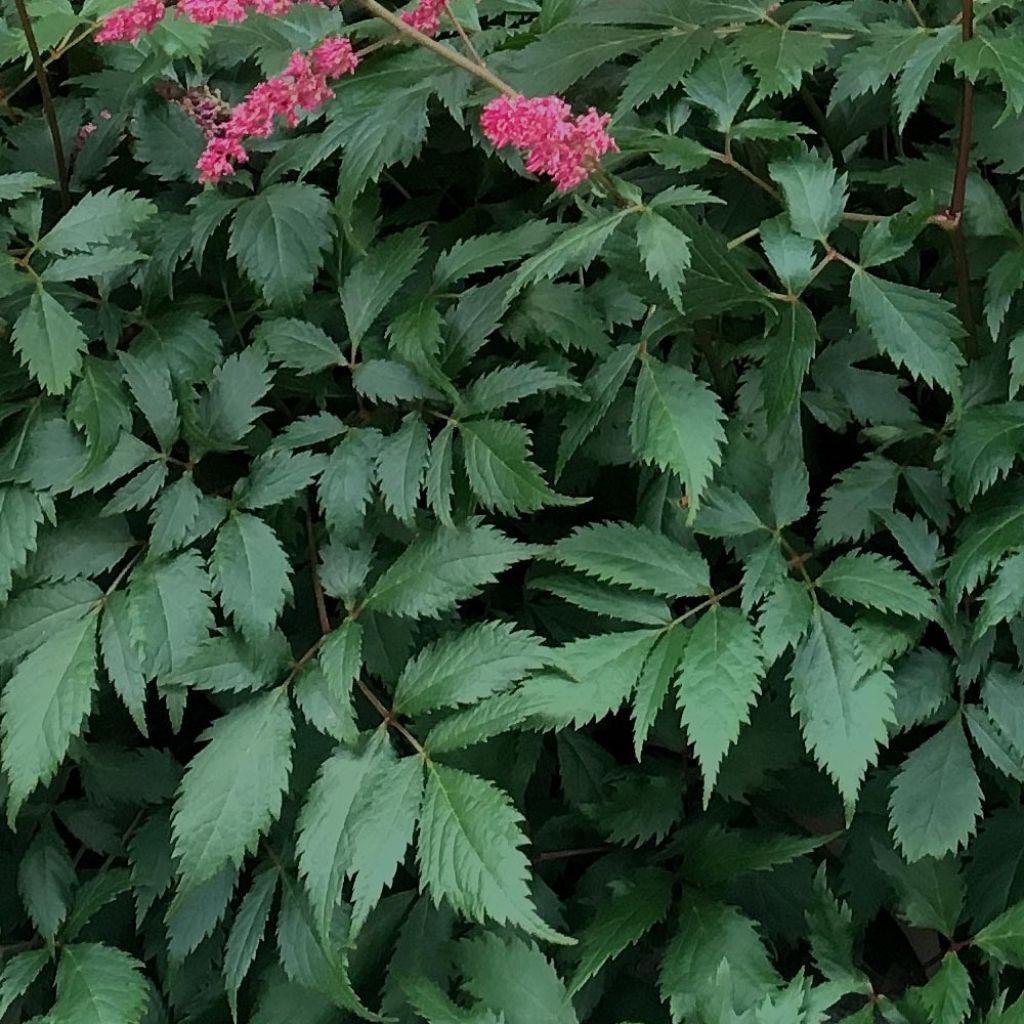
point(100, 408)
point(387, 381)
point(357, 822)
point(574, 248)
point(844, 705)
point(345, 484)
point(637, 557)
point(676, 425)
point(466, 666)
point(20, 515)
point(633, 906)
point(788, 352)
point(665, 251)
point(45, 705)
point(719, 84)
point(500, 472)
point(246, 934)
point(1005, 279)
point(375, 279)
point(473, 255)
point(299, 345)
point(401, 464)
point(50, 342)
point(469, 851)
point(279, 238)
point(857, 496)
point(275, 476)
point(436, 572)
point(994, 527)
point(232, 789)
point(225, 414)
point(97, 984)
point(664, 66)
point(707, 933)
point(1003, 57)
point(719, 680)
point(814, 194)
point(46, 877)
point(250, 570)
point(20, 970)
point(948, 992)
point(914, 328)
point(876, 582)
point(1003, 938)
point(984, 447)
point(174, 514)
point(658, 672)
point(514, 978)
point(149, 381)
point(508, 384)
point(780, 56)
point(97, 218)
point(785, 618)
point(936, 797)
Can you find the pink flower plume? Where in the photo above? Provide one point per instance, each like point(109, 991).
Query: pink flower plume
point(426, 16)
point(553, 141)
point(126, 24)
point(303, 85)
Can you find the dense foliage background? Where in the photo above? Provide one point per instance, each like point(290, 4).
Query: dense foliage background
point(430, 595)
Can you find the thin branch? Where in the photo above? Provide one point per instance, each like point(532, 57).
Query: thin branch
point(446, 52)
point(584, 851)
point(386, 714)
point(464, 35)
point(55, 55)
point(48, 106)
point(916, 13)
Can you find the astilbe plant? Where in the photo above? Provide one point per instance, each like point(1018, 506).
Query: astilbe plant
point(510, 512)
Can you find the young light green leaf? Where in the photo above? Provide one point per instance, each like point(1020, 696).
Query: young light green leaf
point(232, 789)
point(469, 851)
point(719, 680)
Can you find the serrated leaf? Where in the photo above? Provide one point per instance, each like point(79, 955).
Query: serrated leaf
point(984, 447)
point(637, 557)
point(936, 797)
point(514, 979)
point(469, 851)
point(20, 515)
point(299, 345)
point(500, 472)
point(632, 907)
point(484, 252)
point(100, 408)
point(97, 218)
point(780, 57)
point(246, 934)
point(466, 666)
point(994, 527)
point(707, 933)
point(437, 571)
point(663, 66)
point(844, 705)
point(815, 195)
point(373, 282)
point(50, 341)
point(789, 349)
point(401, 464)
point(665, 251)
point(250, 571)
point(719, 680)
point(97, 984)
point(914, 328)
point(345, 484)
point(232, 789)
point(46, 877)
point(21, 969)
point(226, 413)
point(676, 425)
point(659, 670)
point(279, 237)
point(357, 822)
point(174, 513)
point(508, 384)
point(877, 582)
point(1003, 938)
point(276, 475)
point(45, 705)
point(719, 84)
point(857, 496)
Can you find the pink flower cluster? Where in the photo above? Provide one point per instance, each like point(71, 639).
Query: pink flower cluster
point(553, 141)
point(426, 17)
point(126, 24)
point(302, 85)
